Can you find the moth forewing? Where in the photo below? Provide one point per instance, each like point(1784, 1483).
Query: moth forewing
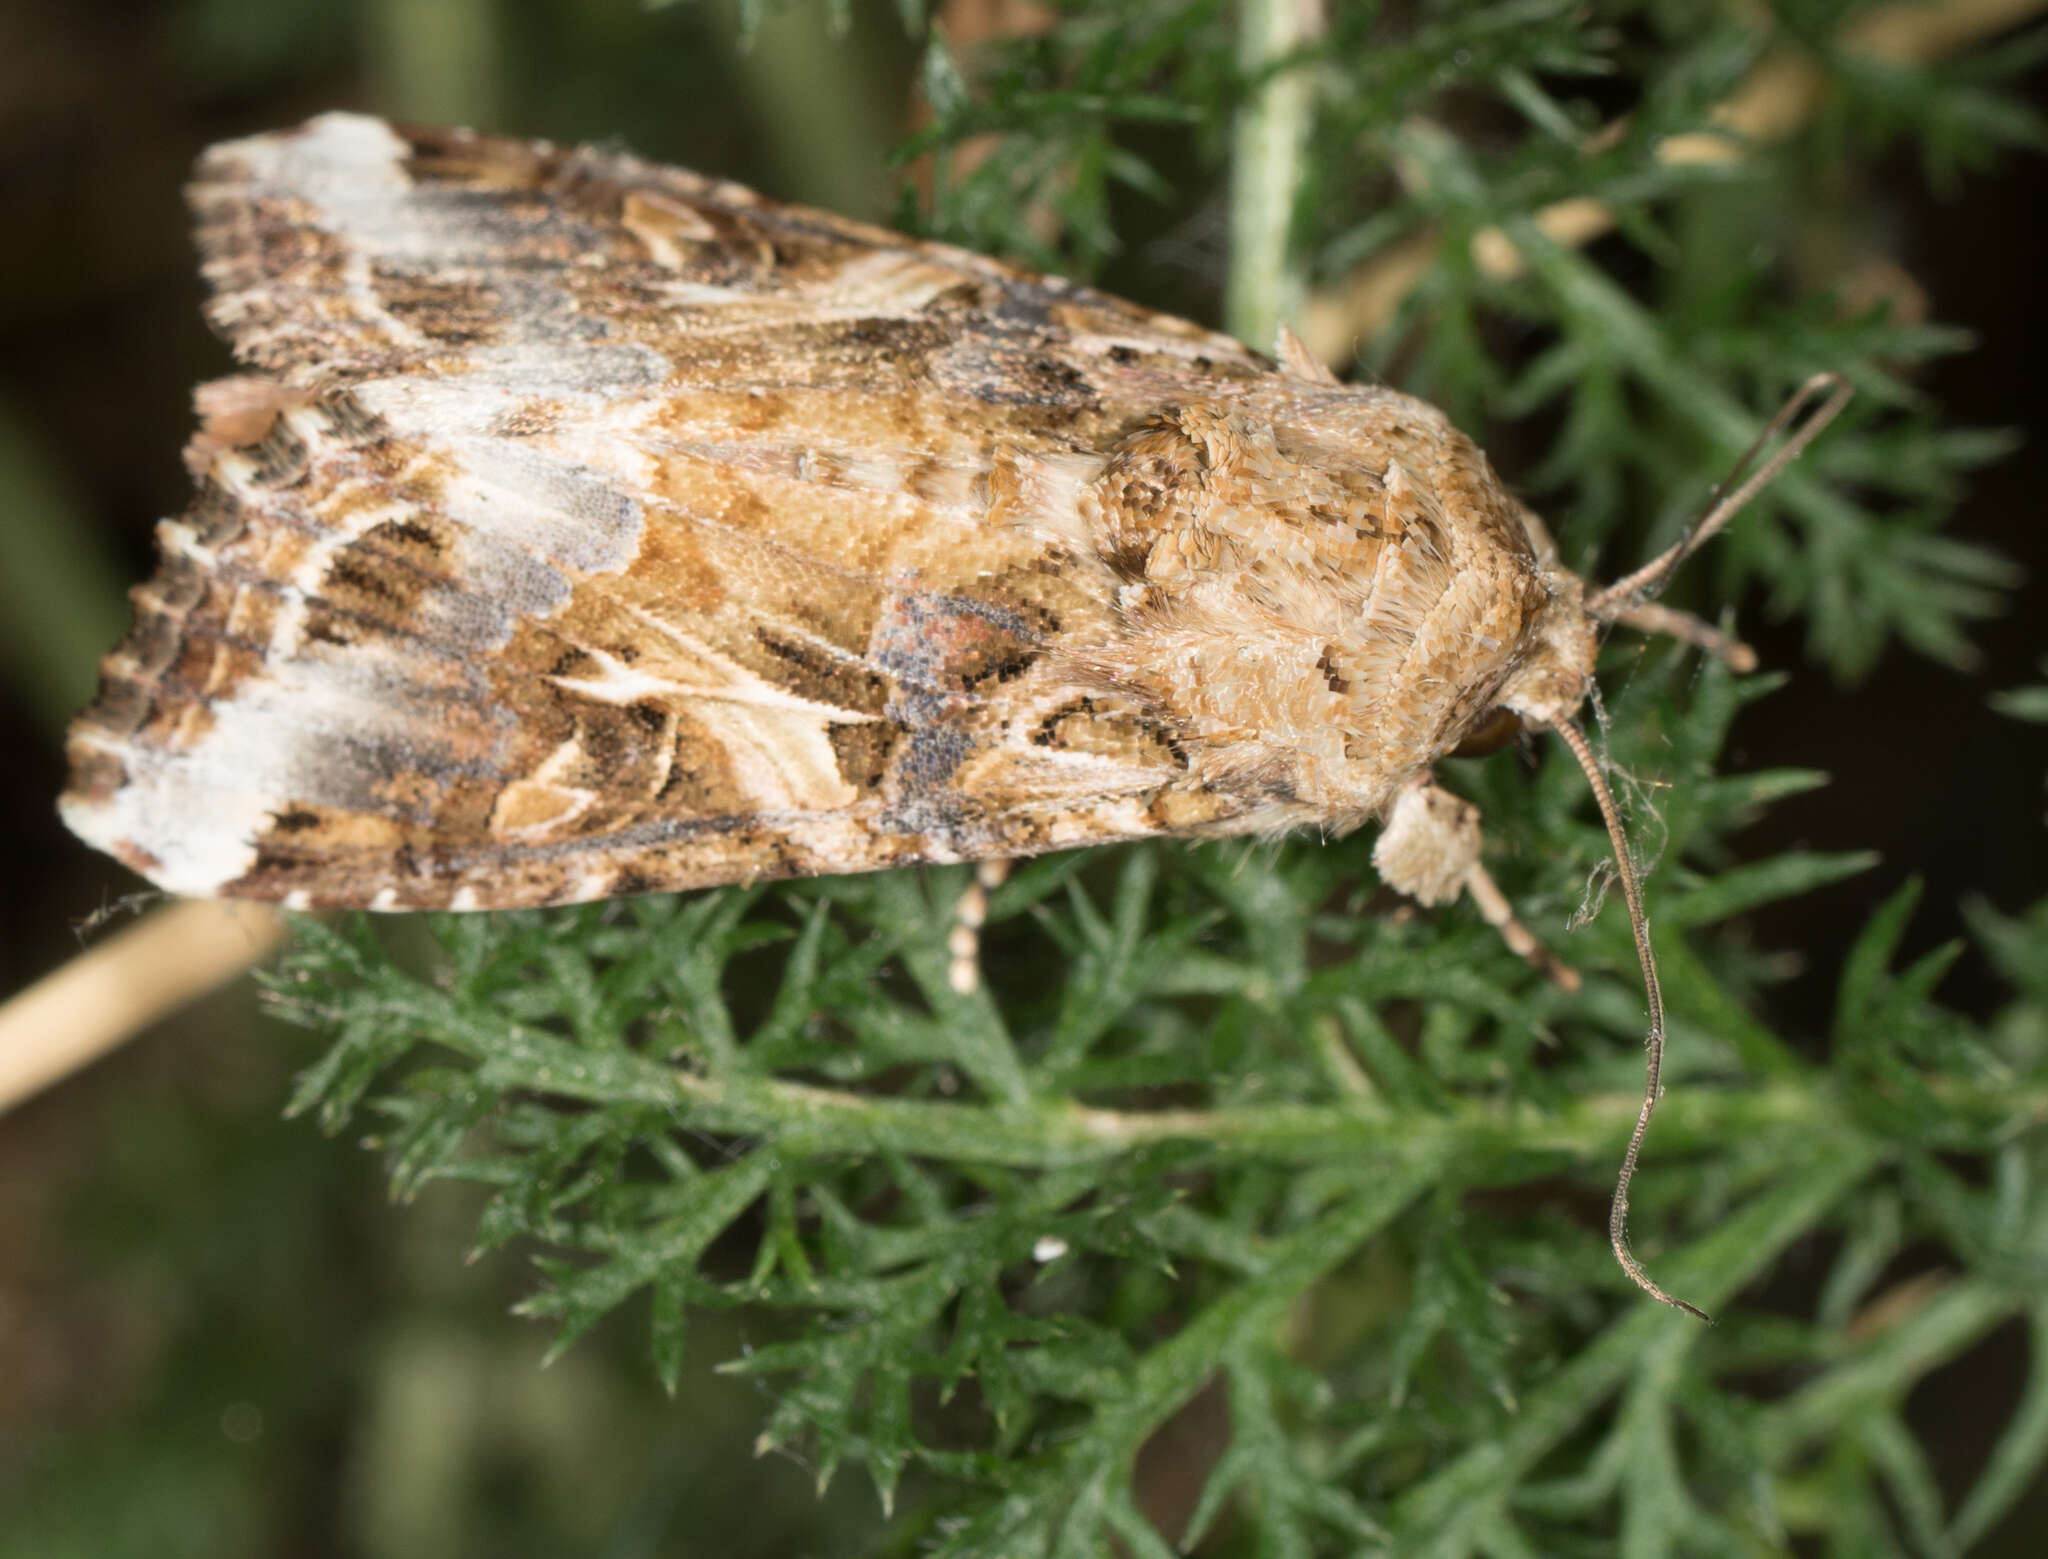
point(585, 527)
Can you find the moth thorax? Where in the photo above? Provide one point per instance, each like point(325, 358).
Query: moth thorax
point(1317, 612)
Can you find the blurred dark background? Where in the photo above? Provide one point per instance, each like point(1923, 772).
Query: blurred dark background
point(215, 1337)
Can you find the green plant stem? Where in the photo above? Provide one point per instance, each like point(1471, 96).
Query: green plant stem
point(1058, 1132)
point(436, 61)
point(824, 114)
point(1265, 286)
point(1053, 1133)
point(1061, 1133)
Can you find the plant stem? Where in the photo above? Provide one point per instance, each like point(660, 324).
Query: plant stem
point(437, 61)
point(1269, 144)
point(1059, 1132)
point(822, 113)
point(1054, 1133)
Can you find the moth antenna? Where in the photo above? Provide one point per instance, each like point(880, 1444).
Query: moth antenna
point(1722, 506)
point(1631, 892)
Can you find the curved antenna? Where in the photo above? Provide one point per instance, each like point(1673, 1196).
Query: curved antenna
point(1650, 579)
point(1617, 1218)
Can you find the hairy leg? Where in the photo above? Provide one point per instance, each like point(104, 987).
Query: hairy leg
point(1429, 850)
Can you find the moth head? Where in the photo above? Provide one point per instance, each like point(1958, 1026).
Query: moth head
point(1556, 671)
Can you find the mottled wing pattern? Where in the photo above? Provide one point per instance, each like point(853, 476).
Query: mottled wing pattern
point(587, 527)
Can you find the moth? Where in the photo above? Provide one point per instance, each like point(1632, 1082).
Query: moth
point(584, 527)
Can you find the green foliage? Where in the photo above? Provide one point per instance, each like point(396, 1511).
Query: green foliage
point(1227, 1133)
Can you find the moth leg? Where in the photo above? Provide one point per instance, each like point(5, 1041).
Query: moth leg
point(1649, 617)
point(1498, 913)
point(1429, 850)
point(969, 912)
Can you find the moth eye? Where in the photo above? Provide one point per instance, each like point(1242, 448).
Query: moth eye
point(1494, 731)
